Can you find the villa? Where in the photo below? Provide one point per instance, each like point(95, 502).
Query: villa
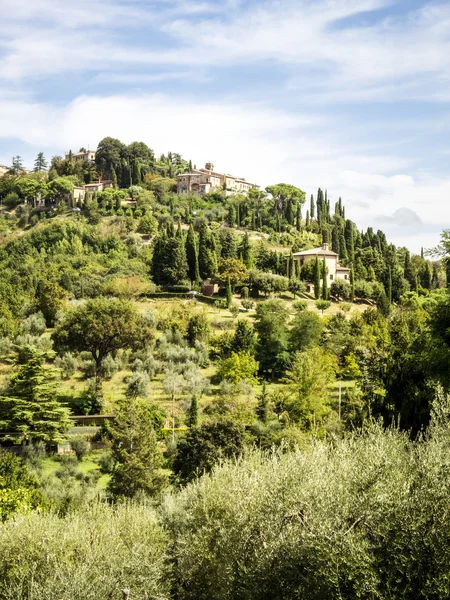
point(207, 180)
point(335, 270)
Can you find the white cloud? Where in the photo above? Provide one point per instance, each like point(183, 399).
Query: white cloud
point(263, 145)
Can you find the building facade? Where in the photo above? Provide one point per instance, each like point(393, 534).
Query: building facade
point(88, 155)
point(98, 186)
point(207, 180)
point(335, 270)
point(3, 170)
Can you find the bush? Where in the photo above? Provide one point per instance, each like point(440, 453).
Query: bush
point(80, 446)
point(45, 556)
point(351, 522)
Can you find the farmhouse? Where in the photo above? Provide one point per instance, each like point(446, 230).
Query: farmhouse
point(335, 270)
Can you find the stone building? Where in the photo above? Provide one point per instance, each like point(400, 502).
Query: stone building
point(207, 180)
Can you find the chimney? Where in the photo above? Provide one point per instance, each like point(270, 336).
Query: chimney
point(325, 247)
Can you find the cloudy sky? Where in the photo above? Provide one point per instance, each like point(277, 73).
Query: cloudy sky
point(349, 95)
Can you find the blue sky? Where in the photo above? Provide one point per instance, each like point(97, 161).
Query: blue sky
point(348, 95)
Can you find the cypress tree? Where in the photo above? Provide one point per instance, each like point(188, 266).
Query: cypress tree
point(324, 281)
point(262, 408)
point(136, 175)
point(114, 178)
point(179, 233)
point(426, 277)
point(297, 269)
point(192, 256)
point(311, 209)
point(238, 215)
point(435, 279)
point(192, 419)
point(335, 239)
point(409, 272)
point(298, 220)
point(349, 241)
point(389, 286)
point(307, 218)
point(231, 216)
point(352, 283)
point(246, 251)
point(291, 266)
point(207, 259)
point(229, 295)
point(317, 278)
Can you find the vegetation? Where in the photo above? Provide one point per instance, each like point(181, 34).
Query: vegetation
point(284, 438)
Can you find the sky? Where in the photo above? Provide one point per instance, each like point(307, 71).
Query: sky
point(352, 96)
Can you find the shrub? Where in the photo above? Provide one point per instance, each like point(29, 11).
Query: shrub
point(80, 446)
point(45, 556)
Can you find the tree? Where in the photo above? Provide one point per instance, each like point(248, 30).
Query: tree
point(18, 491)
point(229, 295)
point(324, 281)
point(341, 289)
point(192, 256)
point(323, 305)
point(59, 189)
point(40, 164)
point(271, 326)
point(207, 259)
point(173, 384)
point(317, 278)
point(245, 251)
point(296, 286)
point(231, 269)
point(51, 298)
point(244, 338)
point(101, 327)
point(205, 446)
point(192, 419)
point(169, 262)
point(17, 165)
point(306, 332)
point(198, 329)
point(135, 450)
point(238, 367)
point(308, 380)
point(30, 407)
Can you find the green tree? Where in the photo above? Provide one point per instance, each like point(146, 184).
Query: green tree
point(16, 165)
point(30, 408)
point(50, 299)
point(317, 278)
point(323, 305)
point(18, 491)
point(245, 251)
point(205, 446)
point(238, 367)
point(135, 450)
point(192, 419)
point(244, 338)
point(229, 295)
point(207, 258)
point(324, 281)
point(306, 331)
point(40, 164)
point(308, 380)
point(192, 256)
point(272, 348)
point(101, 327)
point(198, 329)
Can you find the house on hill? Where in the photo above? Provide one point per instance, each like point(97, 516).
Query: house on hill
point(207, 180)
point(335, 270)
